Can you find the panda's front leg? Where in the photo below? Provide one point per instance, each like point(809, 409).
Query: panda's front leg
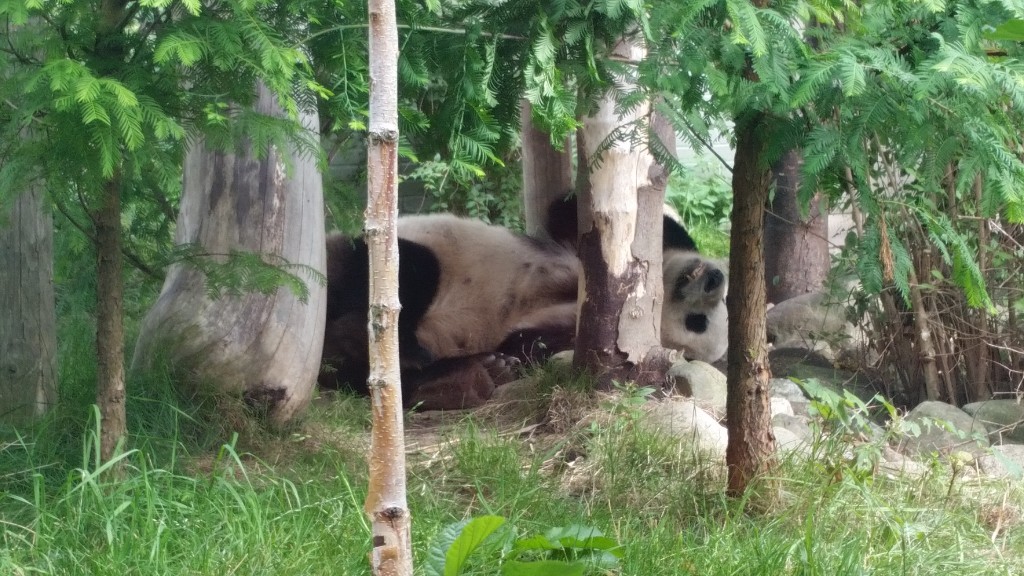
point(458, 383)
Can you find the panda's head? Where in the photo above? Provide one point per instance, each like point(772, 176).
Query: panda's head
point(693, 317)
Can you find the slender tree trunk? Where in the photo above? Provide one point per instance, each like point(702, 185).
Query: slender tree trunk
point(28, 319)
point(547, 173)
point(110, 392)
point(386, 505)
point(979, 364)
point(798, 261)
point(751, 448)
point(923, 338)
point(619, 245)
point(264, 347)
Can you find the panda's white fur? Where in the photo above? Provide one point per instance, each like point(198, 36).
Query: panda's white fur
point(476, 298)
point(492, 282)
point(693, 315)
point(495, 292)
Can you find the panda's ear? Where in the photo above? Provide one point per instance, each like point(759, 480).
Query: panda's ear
point(674, 235)
point(562, 221)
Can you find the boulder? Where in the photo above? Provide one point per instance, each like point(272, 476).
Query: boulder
point(806, 364)
point(786, 388)
point(781, 406)
point(1006, 461)
point(682, 418)
point(563, 358)
point(814, 321)
point(795, 425)
point(702, 382)
point(895, 465)
point(787, 441)
point(944, 429)
point(1003, 418)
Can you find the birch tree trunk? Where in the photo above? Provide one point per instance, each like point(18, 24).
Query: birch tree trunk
point(28, 318)
point(620, 244)
point(751, 448)
point(547, 173)
point(386, 506)
point(265, 347)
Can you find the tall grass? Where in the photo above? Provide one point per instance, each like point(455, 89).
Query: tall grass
point(193, 498)
point(293, 505)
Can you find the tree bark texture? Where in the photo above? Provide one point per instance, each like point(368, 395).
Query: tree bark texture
point(923, 339)
point(978, 357)
point(798, 261)
point(110, 391)
point(547, 173)
point(28, 318)
point(265, 347)
point(751, 447)
point(619, 243)
point(386, 504)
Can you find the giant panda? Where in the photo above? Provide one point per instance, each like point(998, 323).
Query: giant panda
point(476, 301)
point(693, 313)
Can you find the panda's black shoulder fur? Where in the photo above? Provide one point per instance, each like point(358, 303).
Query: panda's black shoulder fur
point(348, 293)
point(563, 228)
point(348, 276)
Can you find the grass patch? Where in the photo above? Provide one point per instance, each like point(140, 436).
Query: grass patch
point(711, 240)
point(291, 502)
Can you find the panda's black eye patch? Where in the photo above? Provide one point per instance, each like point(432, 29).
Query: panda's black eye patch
point(714, 280)
point(678, 293)
point(696, 323)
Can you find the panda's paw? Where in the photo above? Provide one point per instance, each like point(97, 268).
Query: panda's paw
point(502, 368)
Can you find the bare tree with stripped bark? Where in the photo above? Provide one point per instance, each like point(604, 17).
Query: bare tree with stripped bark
point(386, 505)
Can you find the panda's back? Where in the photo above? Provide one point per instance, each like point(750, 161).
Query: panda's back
point(491, 278)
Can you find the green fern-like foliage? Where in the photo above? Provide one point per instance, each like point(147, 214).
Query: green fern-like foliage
point(906, 109)
point(89, 98)
point(237, 272)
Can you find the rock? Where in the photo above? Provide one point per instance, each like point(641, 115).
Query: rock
point(702, 382)
point(814, 321)
point(895, 465)
point(1003, 418)
point(1005, 461)
point(786, 388)
point(564, 358)
point(795, 425)
point(681, 418)
point(930, 416)
point(521, 390)
point(787, 441)
point(805, 364)
point(781, 406)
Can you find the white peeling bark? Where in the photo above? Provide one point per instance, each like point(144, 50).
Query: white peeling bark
point(386, 505)
point(266, 347)
point(626, 238)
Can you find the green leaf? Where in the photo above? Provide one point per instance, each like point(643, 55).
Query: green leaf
point(585, 537)
point(543, 568)
point(455, 542)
